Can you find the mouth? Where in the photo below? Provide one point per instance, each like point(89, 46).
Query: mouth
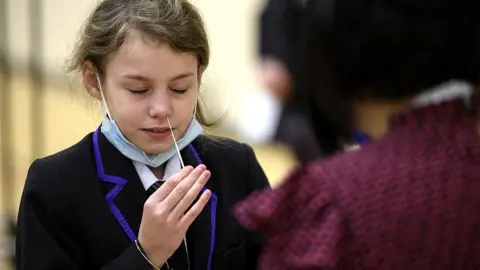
point(158, 130)
point(158, 133)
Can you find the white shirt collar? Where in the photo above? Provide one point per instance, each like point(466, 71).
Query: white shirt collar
point(444, 92)
point(148, 178)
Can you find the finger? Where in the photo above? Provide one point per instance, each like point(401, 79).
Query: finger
point(196, 209)
point(188, 199)
point(161, 193)
point(181, 189)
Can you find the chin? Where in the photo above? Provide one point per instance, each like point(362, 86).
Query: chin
point(150, 146)
point(158, 148)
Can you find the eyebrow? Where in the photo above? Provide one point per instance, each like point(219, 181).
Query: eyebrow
point(181, 76)
point(136, 77)
point(143, 78)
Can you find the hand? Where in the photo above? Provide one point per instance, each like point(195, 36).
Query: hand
point(276, 78)
point(165, 220)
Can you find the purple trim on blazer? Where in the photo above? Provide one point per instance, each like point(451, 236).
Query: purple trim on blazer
point(213, 212)
point(121, 182)
point(213, 218)
point(361, 138)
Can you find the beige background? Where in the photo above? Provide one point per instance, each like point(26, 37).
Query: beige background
point(70, 114)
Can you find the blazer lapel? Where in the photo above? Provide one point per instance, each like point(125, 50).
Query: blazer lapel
point(125, 196)
point(200, 232)
point(121, 185)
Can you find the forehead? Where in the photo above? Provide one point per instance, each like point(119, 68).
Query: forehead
point(141, 54)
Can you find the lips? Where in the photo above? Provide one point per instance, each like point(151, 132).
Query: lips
point(158, 130)
point(158, 134)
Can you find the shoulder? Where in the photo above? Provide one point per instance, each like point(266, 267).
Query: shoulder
point(233, 159)
point(224, 149)
point(303, 208)
point(53, 173)
point(329, 184)
point(302, 191)
point(220, 144)
point(64, 160)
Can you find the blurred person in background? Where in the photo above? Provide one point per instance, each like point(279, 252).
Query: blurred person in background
point(409, 197)
point(146, 190)
point(7, 242)
point(280, 110)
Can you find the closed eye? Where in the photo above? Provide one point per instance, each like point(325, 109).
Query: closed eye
point(137, 92)
point(178, 91)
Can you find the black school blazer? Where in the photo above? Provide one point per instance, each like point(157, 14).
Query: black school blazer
point(81, 209)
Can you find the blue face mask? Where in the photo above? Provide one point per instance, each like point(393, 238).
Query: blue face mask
point(113, 134)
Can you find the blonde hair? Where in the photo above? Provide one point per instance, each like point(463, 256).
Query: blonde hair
point(175, 22)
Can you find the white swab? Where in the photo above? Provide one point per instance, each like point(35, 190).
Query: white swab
point(175, 142)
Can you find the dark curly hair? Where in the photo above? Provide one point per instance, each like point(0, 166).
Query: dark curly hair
point(387, 50)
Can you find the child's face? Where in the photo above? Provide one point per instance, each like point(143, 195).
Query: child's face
point(145, 82)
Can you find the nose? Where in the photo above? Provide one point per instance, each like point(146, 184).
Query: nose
point(160, 105)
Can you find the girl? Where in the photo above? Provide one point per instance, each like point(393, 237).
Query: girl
point(145, 189)
point(409, 197)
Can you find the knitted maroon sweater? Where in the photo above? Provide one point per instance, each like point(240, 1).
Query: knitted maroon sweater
point(410, 200)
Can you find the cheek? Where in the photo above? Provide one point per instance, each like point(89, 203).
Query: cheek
point(183, 110)
point(126, 110)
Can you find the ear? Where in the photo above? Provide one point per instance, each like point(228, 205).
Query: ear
point(200, 74)
point(89, 78)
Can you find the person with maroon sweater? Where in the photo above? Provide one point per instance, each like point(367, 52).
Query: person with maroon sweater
point(409, 196)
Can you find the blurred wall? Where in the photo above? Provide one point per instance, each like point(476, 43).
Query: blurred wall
point(68, 114)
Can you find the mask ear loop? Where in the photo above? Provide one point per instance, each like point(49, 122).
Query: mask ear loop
point(99, 83)
point(175, 142)
point(195, 108)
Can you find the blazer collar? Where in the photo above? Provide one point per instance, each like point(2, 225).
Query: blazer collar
point(125, 196)
point(124, 192)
